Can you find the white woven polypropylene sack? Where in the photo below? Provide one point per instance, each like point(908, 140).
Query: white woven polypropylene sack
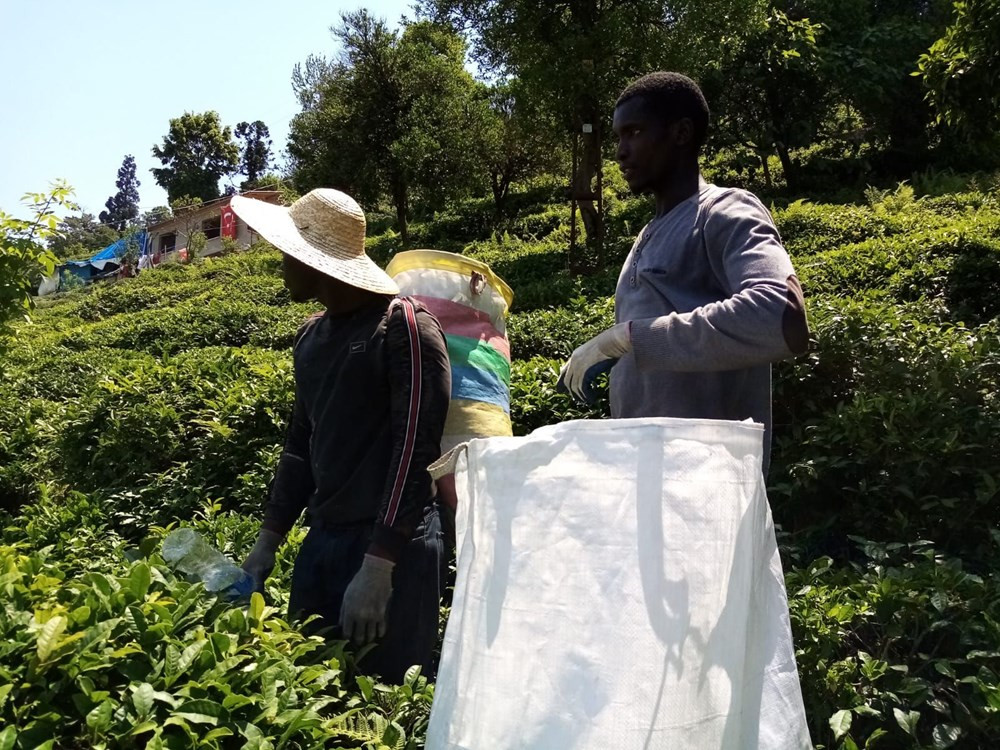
point(618, 587)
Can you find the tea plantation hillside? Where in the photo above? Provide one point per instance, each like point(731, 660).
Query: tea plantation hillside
point(160, 400)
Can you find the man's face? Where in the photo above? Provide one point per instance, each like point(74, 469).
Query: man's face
point(649, 146)
point(300, 279)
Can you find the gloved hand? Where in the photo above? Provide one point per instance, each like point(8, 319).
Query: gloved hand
point(260, 561)
point(588, 361)
point(366, 600)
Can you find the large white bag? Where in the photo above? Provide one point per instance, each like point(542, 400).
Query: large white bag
point(618, 586)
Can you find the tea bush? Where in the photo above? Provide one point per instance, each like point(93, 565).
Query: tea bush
point(899, 649)
point(127, 407)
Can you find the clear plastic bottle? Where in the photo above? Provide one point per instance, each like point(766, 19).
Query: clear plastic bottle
point(189, 552)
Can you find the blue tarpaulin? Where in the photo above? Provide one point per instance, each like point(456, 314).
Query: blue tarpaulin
point(117, 249)
point(103, 263)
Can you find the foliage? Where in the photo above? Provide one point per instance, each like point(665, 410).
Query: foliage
point(23, 257)
point(195, 153)
point(129, 654)
point(517, 142)
point(393, 117)
point(123, 206)
point(255, 155)
point(768, 90)
point(80, 237)
point(898, 649)
point(125, 407)
point(187, 210)
point(961, 68)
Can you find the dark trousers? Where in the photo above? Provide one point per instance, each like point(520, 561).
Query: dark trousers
point(327, 561)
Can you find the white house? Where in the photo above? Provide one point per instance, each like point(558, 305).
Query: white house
point(169, 238)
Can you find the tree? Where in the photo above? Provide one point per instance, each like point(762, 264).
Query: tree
point(24, 259)
point(187, 209)
point(517, 140)
point(574, 57)
point(308, 79)
point(961, 71)
point(123, 206)
point(394, 116)
point(768, 91)
point(156, 215)
point(867, 52)
point(255, 156)
point(81, 236)
point(195, 153)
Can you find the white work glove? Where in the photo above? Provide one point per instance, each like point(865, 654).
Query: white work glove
point(588, 361)
point(260, 561)
point(366, 600)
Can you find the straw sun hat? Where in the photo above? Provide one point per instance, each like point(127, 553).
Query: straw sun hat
point(325, 229)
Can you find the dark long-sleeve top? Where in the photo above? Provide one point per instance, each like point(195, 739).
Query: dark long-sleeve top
point(371, 395)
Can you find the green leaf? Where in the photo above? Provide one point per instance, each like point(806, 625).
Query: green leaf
point(908, 720)
point(256, 609)
point(139, 580)
point(142, 699)
point(173, 658)
point(49, 636)
point(365, 685)
point(167, 698)
point(945, 735)
point(99, 719)
point(200, 712)
point(7, 738)
point(142, 728)
point(840, 723)
point(874, 737)
point(189, 655)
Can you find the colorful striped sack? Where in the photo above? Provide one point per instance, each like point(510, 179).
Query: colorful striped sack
point(471, 303)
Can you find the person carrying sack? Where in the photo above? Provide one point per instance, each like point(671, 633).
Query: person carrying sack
point(372, 389)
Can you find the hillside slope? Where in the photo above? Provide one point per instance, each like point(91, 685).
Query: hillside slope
point(161, 399)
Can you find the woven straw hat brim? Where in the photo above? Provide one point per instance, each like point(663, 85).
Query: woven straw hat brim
point(322, 253)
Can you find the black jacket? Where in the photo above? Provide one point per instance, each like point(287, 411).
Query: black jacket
point(372, 390)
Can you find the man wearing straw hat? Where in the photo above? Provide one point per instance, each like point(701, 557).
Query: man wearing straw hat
point(372, 387)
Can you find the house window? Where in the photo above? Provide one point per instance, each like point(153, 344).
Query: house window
point(168, 242)
point(212, 227)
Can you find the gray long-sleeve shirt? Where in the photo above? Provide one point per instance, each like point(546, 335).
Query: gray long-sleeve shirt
point(712, 300)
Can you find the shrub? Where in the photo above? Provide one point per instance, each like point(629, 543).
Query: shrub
point(556, 332)
point(135, 655)
point(889, 428)
point(535, 402)
point(898, 649)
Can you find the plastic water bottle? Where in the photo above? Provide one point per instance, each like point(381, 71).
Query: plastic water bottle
point(190, 553)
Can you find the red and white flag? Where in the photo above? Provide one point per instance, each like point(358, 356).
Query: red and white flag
point(228, 222)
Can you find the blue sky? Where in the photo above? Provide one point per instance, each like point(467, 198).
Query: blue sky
point(84, 83)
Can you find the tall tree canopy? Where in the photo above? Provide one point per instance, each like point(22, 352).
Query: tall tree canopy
point(574, 57)
point(962, 71)
point(394, 115)
point(255, 153)
point(767, 90)
point(122, 208)
point(195, 153)
point(518, 140)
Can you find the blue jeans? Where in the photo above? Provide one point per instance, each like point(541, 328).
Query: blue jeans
point(327, 561)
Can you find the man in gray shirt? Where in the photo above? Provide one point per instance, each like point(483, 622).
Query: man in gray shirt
point(707, 297)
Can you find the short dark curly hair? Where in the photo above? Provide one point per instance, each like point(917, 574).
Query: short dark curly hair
point(672, 96)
